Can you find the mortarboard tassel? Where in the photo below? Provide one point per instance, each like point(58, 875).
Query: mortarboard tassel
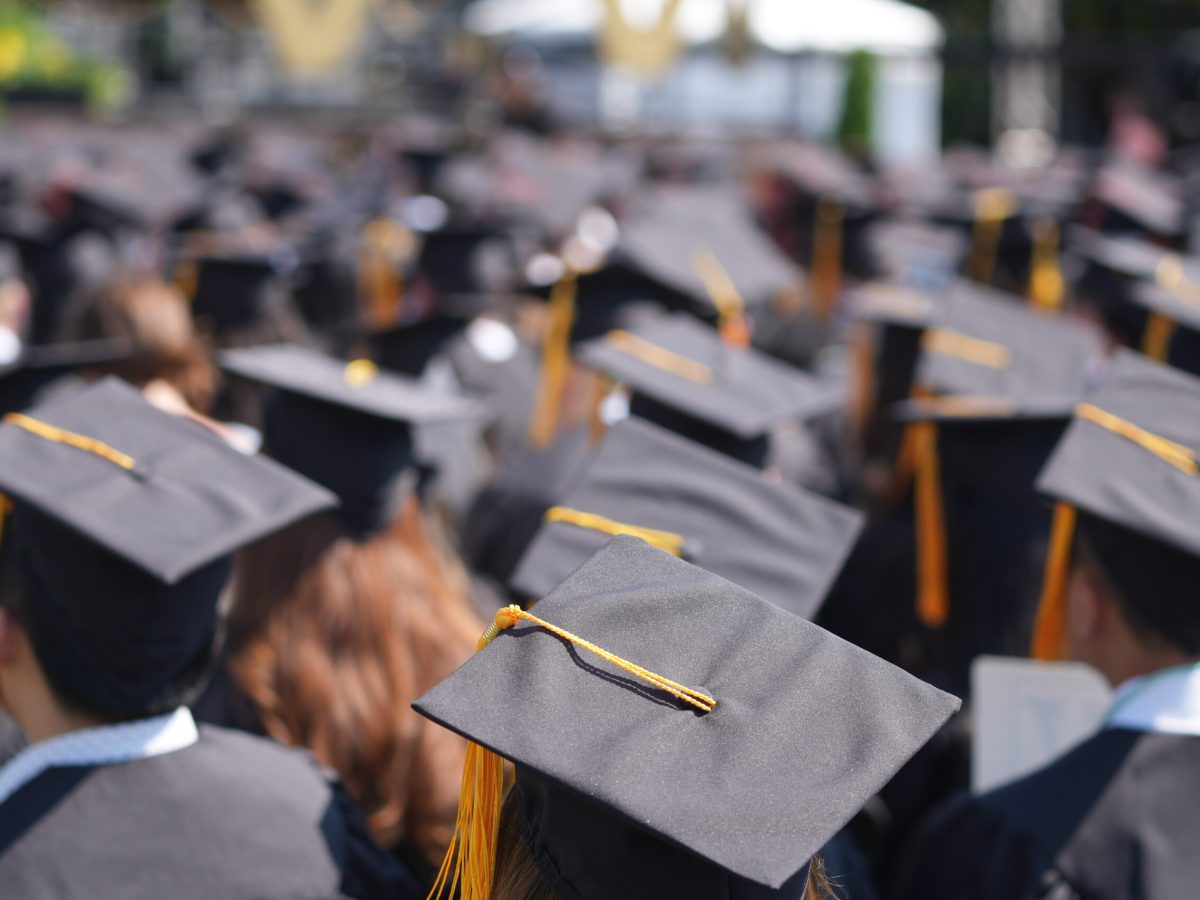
point(731, 308)
point(1156, 339)
point(668, 541)
point(827, 256)
point(53, 433)
point(659, 357)
point(556, 361)
point(6, 506)
point(1050, 627)
point(1046, 285)
point(187, 278)
point(992, 207)
point(468, 869)
point(386, 245)
point(933, 592)
point(862, 369)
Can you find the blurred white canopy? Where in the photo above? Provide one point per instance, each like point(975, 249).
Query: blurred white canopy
point(785, 26)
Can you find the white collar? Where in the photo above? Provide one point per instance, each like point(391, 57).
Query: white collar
point(101, 746)
point(1164, 702)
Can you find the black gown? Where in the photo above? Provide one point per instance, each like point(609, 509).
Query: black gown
point(1113, 819)
point(231, 817)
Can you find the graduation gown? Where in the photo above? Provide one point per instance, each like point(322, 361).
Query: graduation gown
point(1113, 819)
point(231, 816)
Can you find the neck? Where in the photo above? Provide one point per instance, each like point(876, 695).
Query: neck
point(1124, 668)
point(41, 716)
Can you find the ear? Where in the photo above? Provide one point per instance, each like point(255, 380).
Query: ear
point(12, 638)
point(1088, 606)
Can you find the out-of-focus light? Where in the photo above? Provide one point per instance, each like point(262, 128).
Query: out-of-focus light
point(424, 213)
point(598, 228)
point(544, 269)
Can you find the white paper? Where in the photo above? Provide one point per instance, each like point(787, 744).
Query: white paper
point(1027, 713)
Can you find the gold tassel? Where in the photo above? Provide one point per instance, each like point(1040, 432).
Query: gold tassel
point(992, 207)
point(1050, 628)
point(862, 369)
point(827, 256)
point(470, 862)
point(933, 593)
point(1046, 284)
point(556, 362)
point(731, 308)
point(1156, 339)
point(386, 245)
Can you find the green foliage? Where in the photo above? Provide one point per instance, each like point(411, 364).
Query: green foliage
point(33, 57)
point(854, 131)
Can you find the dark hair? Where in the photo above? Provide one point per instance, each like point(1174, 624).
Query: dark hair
point(1150, 580)
point(78, 687)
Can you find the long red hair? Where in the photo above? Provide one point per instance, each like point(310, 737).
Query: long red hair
point(332, 639)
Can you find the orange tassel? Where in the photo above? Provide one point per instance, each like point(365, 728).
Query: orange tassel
point(933, 593)
point(1156, 339)
point(827, 257)
point(1050, 628)
point(556, 362)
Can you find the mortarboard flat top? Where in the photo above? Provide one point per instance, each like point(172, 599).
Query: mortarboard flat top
point(681, 363)
point(1102, 469)
point(805, 729)
point(1147, 197)
point(1180, 302)
point(892, 304)
point(1125, 254)
point(784, 544)
point(987, 344)
point(186, 499)
point(357, 386)
point(666, 237)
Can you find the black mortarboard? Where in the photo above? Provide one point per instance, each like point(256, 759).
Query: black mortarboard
point(625, 791)
point(124, 521)
point(1128, 458)
point(687, 378)
point(235, 292)
point(37, 366)
point(985, 343)
point(673, 231)
point(1125, 197)
point(409, 348)
point(347, 426)
point(450, 258)
point(780, 542)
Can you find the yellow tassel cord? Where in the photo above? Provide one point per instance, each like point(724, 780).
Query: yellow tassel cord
point(731, 308)
point(973, 350)
point(1049, 636)
point(1046, 285)
point(992, 207)
point(187, 278)
point(6, 506)
point(556, 362)
point(827, 257)
point(969, 407)
point(664, 540)
point(386, 245)
point(1050, 627)
point(659, 357)
point(53, 433)
point(933, 591)
point(1156, 339)
point(468, 869)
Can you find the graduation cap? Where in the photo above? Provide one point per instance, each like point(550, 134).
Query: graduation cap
point(686, 378)
point(1001, 382)
point(780, 542)
point(1125, 197)
point(346, 425)
point(1129, 458)
point(720, 777)
point(410, 347)
point(915, 252)
point(235, 291)
point(37, 366)
point(124, 522)
point(450, 257)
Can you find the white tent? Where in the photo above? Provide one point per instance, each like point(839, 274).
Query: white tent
point(785, 26)
point(797, 82)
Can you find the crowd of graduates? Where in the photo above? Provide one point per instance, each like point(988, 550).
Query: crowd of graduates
point(401, 508)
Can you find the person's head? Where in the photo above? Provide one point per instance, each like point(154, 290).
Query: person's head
point(154, 317)
point(51, 648)
point(1128, 601)
point(123, 525)
point(332, 637)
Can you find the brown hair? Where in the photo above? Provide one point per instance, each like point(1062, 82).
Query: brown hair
point(332, 639)
point(155, 317)
point(519, 878)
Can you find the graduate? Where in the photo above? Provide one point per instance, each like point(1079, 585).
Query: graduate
point(725, 783)
point(1110, 818)
point(123, 525)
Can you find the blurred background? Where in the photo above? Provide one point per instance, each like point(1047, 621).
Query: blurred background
point(897, 81)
